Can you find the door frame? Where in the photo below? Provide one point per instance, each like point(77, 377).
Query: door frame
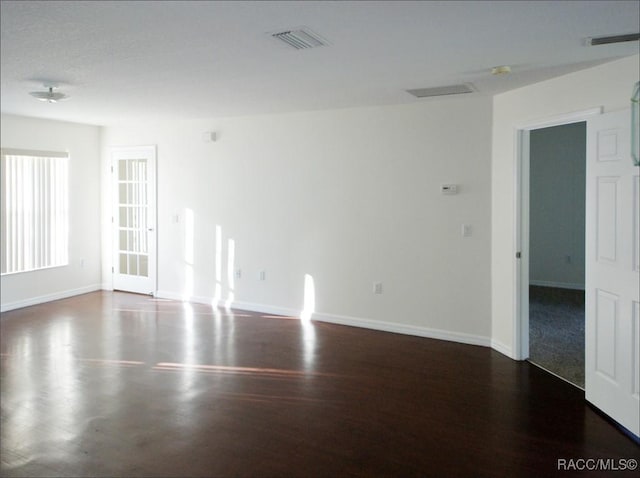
point(151, 150)
point(521, 232)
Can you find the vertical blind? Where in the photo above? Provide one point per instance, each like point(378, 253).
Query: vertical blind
point(35, 210)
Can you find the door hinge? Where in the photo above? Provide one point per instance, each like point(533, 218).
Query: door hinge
point(112, 169)
point(518, 255)
point(112, 270)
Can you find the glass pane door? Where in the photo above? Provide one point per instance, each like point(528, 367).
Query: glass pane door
point(134, 219)
point(133, 251)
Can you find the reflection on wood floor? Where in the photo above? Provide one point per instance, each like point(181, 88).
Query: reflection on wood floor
point(115, 384)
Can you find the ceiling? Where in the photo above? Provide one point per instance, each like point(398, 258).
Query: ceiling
point(154, 60)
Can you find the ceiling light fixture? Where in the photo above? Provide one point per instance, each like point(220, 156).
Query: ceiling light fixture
point(49, 96)
point(501, 70)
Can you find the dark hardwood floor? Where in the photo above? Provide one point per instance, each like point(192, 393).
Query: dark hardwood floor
point(114, 384)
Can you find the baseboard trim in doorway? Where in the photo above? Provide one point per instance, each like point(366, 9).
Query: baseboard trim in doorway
point(554, 374)
point(559, 285)
point(502, 348)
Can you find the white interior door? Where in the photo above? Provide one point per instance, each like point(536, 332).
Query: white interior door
point(612, 269)
point(134, 219)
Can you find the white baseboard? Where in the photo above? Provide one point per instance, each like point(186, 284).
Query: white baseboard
point(268, 309)
point(249, 306)
point(405, 329)
point(502, 348)
point(384, 326)
point(165, 294)
point(5, 307)
point(372, 324)
point(559, 285)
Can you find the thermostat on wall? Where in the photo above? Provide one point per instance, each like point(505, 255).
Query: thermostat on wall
point(449, 189)
point(209, 137)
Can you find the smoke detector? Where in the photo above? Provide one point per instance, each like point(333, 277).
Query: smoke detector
point(49, 96)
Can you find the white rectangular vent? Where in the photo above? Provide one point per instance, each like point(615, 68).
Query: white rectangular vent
point(613, 39)
point(442, 90)
point(300, 39)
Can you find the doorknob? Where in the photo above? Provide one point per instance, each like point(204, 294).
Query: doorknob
point(150, 229)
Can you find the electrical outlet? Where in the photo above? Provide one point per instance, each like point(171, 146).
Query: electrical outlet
point(377, 288)
point(238, 273)
point(262, 275)
point(466, 230)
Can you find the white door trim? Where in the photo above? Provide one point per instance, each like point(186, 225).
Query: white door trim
point(522, 131)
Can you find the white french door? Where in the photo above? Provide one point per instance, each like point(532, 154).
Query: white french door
point(612, 327)
point(134, 219)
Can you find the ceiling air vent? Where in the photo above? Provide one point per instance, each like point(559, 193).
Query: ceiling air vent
point(613, 39)
point(300, 39)
point(442, 90)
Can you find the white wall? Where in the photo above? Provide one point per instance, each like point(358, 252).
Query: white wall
point(557, 206)
point(608, 85)
point(83, 144)
point(349, 197)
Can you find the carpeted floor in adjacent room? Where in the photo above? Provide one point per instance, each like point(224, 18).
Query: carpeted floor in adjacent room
point(556, 331)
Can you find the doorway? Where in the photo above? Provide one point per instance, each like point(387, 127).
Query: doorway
point(612, 228)
point(557, 179)
point(134, 219)
point(522, 253)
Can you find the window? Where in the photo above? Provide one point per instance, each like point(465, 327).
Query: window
point(35, 210)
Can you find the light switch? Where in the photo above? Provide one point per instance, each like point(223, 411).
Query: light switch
point(466, 230)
